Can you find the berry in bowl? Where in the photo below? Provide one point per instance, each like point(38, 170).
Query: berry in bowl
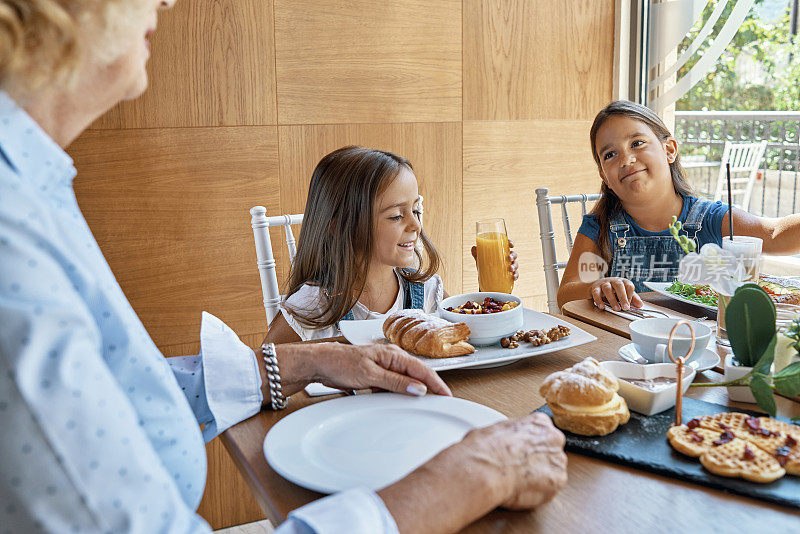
point(490, 316)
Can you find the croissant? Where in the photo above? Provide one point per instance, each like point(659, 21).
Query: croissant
point(427, 335)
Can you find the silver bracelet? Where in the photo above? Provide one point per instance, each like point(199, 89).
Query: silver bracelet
point(277, 400)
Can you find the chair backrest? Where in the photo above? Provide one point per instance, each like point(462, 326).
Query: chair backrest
point(744, 158)
point(548, 237)
point(265, 259)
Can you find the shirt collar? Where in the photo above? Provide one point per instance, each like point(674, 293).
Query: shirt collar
point(31, 152)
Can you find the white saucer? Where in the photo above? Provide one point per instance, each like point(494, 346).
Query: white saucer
point(705, 360)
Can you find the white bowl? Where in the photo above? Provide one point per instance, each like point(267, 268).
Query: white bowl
point(650, 338)
point(646, 401)
point(485, 328)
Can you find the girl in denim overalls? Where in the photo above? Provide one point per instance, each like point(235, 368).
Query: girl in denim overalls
point(643, 187)
point(362, 252)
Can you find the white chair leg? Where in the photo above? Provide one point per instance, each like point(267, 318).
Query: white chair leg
point(265, 262)
point(547, 237)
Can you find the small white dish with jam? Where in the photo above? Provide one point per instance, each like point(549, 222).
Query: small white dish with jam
point(648, 389)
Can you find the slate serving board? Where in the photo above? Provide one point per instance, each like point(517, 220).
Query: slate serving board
point(642, 443)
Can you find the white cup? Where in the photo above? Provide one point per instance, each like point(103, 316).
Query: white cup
point(650, 338)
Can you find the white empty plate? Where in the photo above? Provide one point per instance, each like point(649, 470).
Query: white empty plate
point(368, 440)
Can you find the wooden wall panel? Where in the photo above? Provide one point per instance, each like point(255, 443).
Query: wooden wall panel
point(543, 59)
point(212, 64)
point(169, 209)
point(368, 61)
point(504, 162)
point(433, 149)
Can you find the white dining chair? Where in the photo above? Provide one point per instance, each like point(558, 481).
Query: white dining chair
point(266, 259)
point(548, 237)
point(744, 158)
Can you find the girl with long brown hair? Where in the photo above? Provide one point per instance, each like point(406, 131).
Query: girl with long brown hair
point(643, 187)
point(362, 252)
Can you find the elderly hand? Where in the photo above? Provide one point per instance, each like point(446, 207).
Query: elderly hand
point(518, 464)
point(618, 292)
point(356, 367)
point(527, 453)
point(513, 266)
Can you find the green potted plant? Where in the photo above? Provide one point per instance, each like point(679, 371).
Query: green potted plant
point(753, 337)
point(751, 331)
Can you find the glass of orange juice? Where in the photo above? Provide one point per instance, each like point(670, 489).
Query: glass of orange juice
point(493, 251)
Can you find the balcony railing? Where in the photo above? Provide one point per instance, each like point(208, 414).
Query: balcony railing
point(702, 135)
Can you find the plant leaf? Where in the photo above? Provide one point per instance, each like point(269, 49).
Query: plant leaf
point(791, 369)
point(763, 394)
point(765, 361)
point(788, 383)
point(750, 322)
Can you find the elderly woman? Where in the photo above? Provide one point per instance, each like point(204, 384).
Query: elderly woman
point(100, 432)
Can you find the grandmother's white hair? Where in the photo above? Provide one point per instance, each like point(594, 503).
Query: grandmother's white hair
point(43, 42)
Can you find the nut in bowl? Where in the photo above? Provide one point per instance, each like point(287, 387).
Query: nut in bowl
point(485, 328)
point(648, 389)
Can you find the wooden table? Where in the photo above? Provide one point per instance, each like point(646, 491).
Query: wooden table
point(599, 496)
point(585, 311)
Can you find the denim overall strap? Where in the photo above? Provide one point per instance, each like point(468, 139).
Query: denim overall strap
point(619, 230)
point(415, 295)
point(694, 220)
point(347, 317)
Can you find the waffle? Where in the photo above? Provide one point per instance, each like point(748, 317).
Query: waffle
point(691, 442)
point(739, 458)
point(733, 421)
point(780, 442)
point(784, 438)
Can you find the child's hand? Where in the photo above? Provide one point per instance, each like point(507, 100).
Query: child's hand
point(513, 266)
point(618, 292)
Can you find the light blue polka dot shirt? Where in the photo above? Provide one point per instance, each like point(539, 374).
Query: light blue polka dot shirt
point(100, 433)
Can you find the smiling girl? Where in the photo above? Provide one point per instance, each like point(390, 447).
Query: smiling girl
point(362, 252)
point(643, 187)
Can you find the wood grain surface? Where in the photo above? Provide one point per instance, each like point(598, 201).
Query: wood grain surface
point(212, 64)
point(504, 163)
point(522, 61)
point(599, 497)
point(169, 208)
point(368, 61)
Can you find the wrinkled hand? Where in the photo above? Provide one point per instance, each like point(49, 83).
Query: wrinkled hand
point(527, 452)
point(513, 266)
point(374, 366)
point(618, 292)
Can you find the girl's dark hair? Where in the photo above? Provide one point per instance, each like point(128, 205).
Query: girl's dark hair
point(609, 204)
point(335, 244)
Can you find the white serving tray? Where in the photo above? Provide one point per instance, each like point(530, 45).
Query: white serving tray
point(371, 331)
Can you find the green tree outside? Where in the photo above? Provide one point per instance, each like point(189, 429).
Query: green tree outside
point(768, 43)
